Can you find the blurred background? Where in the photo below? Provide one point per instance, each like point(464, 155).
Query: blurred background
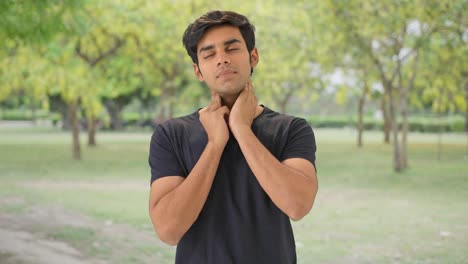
point(384, 84)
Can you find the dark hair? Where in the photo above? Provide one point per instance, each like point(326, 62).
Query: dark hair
point(197, 29)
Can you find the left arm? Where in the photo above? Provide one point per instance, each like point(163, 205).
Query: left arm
point(291, 184)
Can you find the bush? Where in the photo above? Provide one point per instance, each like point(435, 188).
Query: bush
point(415, 124)
point(432, 124)
point(22, 115)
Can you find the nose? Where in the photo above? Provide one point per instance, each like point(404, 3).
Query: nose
point(223, 59)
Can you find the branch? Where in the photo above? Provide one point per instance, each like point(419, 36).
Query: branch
point(397, 49)
point(80, 53)
point(387, 84)
point(93, 38)
point(141, 48)
point(415, 68)
point(102, 55)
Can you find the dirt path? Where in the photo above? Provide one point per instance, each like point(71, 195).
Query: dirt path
point(20, 246)
point(27, 237)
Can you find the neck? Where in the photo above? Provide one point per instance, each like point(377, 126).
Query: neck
point(229, 100)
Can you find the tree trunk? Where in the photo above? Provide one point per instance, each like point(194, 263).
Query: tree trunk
point(439, 137)
point(171, 109)
point(282, 106)
point(162, 104)
point(114, 112)
point(92, 131)
point(283, 101)
point(405, 89)
point(161, 116)
point(171, 102)
point(75, 130)
point(59, 105)
point(439, 124)
point(33, 110)
point(397, 166)
point(387, 125)
point(360, 126)
point(361, 103)
point(404, 128)
point(66, 123)
point(466, 103)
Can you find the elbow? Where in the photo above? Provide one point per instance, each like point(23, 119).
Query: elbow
point(298, 212)
point(166, 231)
point(167, 234)
point(301, 208)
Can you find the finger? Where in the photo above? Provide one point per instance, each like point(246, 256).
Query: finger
point(201, 111)
point(223, 110)
point(246, 87)
point(210, 104)
point(244, 91)
point(248, 90)
point(215, 102)
point(251, 88)
point(249, 85)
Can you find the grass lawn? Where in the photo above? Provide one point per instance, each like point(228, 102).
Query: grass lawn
point(364, 212)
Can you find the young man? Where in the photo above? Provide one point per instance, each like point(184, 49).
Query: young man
point(227, 179)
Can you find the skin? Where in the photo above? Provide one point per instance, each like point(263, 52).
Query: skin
point(225, 65)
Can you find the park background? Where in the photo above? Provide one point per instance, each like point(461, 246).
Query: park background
point(384, 84)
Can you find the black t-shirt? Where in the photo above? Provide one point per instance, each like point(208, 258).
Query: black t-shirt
point(238, 223)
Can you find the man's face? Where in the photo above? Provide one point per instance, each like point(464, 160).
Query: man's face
point(224, 62)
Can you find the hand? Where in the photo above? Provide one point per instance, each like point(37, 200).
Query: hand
point(244, 109)
point(213, 120)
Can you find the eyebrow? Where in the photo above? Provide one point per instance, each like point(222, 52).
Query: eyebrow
point(226, 43)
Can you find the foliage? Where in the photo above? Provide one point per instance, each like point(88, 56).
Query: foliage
point(444, 68)
point(104, 56)
point(36, 21)
point(301, 45)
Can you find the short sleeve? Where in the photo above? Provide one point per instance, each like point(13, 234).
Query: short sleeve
point(300, 142)
point(162, 159)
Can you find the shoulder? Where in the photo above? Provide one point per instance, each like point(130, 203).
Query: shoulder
point(178, 123)
point(177, 128)
point(271, 117)
point(187, 120)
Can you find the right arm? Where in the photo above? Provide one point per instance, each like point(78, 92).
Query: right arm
point(175, 202)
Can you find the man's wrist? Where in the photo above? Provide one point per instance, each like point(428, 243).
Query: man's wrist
point(218, 148)
point(241, 131)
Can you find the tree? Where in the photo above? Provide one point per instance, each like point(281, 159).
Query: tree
point(391, 36)
point(288, 62)
point(444, 72)
point(97, 52)
point(33, 23)
point(36, 22)
point(69, 77)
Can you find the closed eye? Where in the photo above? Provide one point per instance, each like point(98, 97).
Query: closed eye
point(208, 56)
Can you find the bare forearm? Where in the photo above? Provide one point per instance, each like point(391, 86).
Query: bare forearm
point(176, 211)
point(290, 190)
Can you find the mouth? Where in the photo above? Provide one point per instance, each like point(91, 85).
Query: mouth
point(225, 74)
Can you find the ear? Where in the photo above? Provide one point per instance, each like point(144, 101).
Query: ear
point(197, 72)
point(254, 58)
